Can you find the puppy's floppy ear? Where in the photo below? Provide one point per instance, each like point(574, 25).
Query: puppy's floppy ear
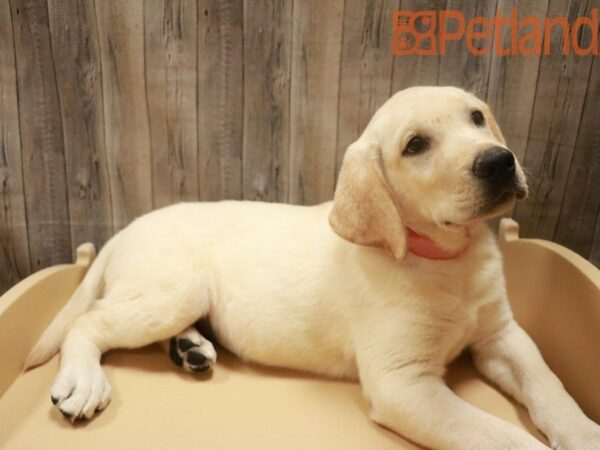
point(365, 210)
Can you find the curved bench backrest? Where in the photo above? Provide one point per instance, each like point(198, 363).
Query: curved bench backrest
point(555, 296)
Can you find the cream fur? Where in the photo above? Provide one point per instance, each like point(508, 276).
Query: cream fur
point(281, 288)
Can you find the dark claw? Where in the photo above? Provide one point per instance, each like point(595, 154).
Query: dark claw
point(173, 354)
point(66, 415)
point(54, 400)
point(185, 344)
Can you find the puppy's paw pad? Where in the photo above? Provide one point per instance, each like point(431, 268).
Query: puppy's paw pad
point(174, 353)
point(196, 357)
point(198, 362)
point(184, 344)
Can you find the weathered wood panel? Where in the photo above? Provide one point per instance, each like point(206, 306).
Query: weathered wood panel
point(561, 87)
point(417, 70)
point(580, 210)
point(121, 33)
point(76, 54)
point(459, 67)
point(314, 99)
point(220, 98)
point(366, 67)
point(170, 69)
point(127, 105)
point(595, 252)
point(267, 70)
point(14, 245)
point(41, 137)
point(514, 77)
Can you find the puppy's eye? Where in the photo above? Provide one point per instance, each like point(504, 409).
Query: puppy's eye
point(416, 145)
point(477, 118)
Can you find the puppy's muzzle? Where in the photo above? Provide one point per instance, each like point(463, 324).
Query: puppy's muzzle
point(495, 168)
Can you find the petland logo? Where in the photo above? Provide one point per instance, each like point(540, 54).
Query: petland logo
point(429, 32)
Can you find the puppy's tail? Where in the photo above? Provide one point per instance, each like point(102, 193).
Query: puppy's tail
point(89, 290)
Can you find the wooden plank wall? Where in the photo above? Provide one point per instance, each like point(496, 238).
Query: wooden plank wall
point(111, 108)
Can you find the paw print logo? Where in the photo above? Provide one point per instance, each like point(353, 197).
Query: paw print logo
point(414, 33)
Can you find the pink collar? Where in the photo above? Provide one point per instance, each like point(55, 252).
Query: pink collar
point(425, 247)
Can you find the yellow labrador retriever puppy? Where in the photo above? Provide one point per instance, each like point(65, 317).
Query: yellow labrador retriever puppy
point(386, 284)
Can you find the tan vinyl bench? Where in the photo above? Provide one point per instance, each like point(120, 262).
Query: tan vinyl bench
point(555, 296)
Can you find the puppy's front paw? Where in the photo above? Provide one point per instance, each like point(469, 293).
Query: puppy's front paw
point(80, 391)
point(584, 437)
point(192, 351)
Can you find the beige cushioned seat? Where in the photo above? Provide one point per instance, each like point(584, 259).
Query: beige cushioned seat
point(555, 295)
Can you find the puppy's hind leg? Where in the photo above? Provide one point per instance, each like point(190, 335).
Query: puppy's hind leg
point(191, 351)
point(118, 321)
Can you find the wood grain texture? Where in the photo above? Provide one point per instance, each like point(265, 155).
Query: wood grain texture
point(594, 255)
point(14, 244)
point(514, 77)
point(267, 72)
point(121, 33)
point(220, 98)
point(170, 69)
point(76, 54)
point(417, 70)
point(366, 67)
point(459, 67)
point(316, 53)
point(561, 88)
point(580, 210)
point(109, 108)
point(41, 137)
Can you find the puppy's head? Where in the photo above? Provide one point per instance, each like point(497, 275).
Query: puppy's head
point(429, 155)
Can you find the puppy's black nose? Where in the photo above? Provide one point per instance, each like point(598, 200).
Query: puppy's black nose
point(495, 166)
